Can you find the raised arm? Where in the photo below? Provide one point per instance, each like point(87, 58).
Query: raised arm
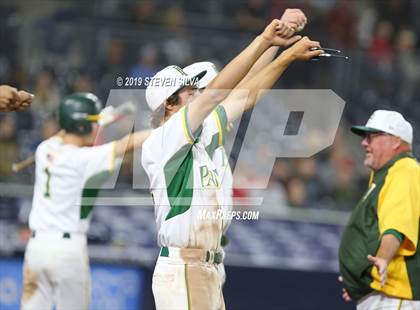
point(266, 78)
point(232, 74)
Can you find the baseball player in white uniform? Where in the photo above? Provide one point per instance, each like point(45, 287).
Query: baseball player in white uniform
point(219, 156)
point(69, 173)
point(183, 177)
point(296, 20)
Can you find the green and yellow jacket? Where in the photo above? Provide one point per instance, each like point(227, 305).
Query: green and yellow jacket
point(390, 205)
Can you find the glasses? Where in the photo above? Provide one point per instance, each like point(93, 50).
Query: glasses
point(370, 136)
point(330, 52)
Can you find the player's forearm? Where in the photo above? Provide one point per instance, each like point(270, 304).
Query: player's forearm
point(266, 78)
point(236, 70)
point(303, 49)
point(242, 100)
point(389, 247)
point(264, 60)
point(131, 142)
point(225, 81)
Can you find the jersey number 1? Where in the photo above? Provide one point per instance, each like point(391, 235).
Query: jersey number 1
point(47, 187)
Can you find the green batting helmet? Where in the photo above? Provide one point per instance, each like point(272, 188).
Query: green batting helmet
point(77, 112)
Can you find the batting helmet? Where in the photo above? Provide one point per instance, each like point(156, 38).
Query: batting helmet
point(77, 112)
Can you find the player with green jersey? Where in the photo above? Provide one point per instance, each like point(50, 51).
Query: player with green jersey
point(379, 251)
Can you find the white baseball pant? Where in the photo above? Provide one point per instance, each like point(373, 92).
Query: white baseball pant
point(378, 301)
point(56, 272)
point(184, 280)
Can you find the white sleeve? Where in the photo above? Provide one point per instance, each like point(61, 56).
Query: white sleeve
point(214, 129)
point(97, 160)
point(168, 149)
point(172, 138)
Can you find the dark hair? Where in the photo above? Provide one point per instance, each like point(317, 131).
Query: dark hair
point(173, 99)
point(161, 112)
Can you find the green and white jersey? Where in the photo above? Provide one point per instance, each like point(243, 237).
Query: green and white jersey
point(224, 171)
point(391, 204)
point(184, 180)
point(67, 179)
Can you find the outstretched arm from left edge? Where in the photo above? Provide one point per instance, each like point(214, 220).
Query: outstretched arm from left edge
point(131, 142)
point(388, 248)
point(13, 100)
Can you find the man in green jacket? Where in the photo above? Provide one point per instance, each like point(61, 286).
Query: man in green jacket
point(379, 254)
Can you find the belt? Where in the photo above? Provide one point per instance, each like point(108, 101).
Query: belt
point(212, 257)
point(66, 235)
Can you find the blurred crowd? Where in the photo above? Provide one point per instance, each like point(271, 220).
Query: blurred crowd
point(56, 48)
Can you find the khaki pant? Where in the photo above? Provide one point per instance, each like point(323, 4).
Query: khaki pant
point(56, 272)
point(378, 301)
point(187, 283)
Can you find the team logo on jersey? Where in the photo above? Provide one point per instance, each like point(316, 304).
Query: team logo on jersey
point(209, 178)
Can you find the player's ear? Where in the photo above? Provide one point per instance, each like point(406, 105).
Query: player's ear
point(396, 142)
point(168, 106)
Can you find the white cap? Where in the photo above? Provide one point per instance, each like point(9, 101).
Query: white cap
point(390, 122)
point(197, 67)
point(167, 82)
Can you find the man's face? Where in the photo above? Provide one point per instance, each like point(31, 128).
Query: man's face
point(379, 149)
